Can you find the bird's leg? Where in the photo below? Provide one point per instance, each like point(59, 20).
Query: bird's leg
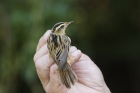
point(68, 59)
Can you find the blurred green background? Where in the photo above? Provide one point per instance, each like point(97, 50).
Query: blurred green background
point(106, 30)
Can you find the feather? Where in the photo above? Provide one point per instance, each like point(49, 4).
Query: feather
point(67, 76)
point(58, 45)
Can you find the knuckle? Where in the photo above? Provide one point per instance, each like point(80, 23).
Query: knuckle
point(38, 65)
point(34, 58)
point(79, 51)
point(40, 39)
point(72, 49)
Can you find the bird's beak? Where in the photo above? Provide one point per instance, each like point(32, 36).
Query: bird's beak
point(68, 22)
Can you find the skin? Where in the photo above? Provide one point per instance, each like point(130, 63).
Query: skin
point(89, 76)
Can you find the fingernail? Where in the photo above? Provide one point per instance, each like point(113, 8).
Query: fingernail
point(76, 53)
point(46, 35)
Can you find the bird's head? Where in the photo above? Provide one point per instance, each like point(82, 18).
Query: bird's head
point(59, 28)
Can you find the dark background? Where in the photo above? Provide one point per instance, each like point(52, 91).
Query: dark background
point(106, 30)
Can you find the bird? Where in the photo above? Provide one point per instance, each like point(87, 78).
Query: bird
point(58, 45)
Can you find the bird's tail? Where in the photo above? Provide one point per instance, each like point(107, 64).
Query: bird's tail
point(67, 76)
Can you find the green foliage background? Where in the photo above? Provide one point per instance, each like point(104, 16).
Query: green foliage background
point(106, 30)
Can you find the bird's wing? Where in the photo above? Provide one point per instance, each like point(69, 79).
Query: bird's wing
point(59, 49)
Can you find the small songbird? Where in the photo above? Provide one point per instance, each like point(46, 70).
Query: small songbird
point(58, 45)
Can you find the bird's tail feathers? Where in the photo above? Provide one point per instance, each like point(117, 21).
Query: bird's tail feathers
point(67, 76)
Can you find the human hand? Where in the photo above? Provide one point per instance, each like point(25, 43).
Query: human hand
point(89, 76)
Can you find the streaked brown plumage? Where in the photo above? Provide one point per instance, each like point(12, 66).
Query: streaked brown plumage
point(58, 46)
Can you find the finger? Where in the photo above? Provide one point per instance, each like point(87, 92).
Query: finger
point(84, 57)
point(75, 56)
point(72, 49)
point(43, 65)
point(55, 81)
point(41, 52)
point(54, 75)
point(43, 39)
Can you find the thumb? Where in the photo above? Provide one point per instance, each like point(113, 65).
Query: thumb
point(75, 56)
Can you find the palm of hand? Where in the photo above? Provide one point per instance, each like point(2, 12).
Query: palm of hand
point(90, 79)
